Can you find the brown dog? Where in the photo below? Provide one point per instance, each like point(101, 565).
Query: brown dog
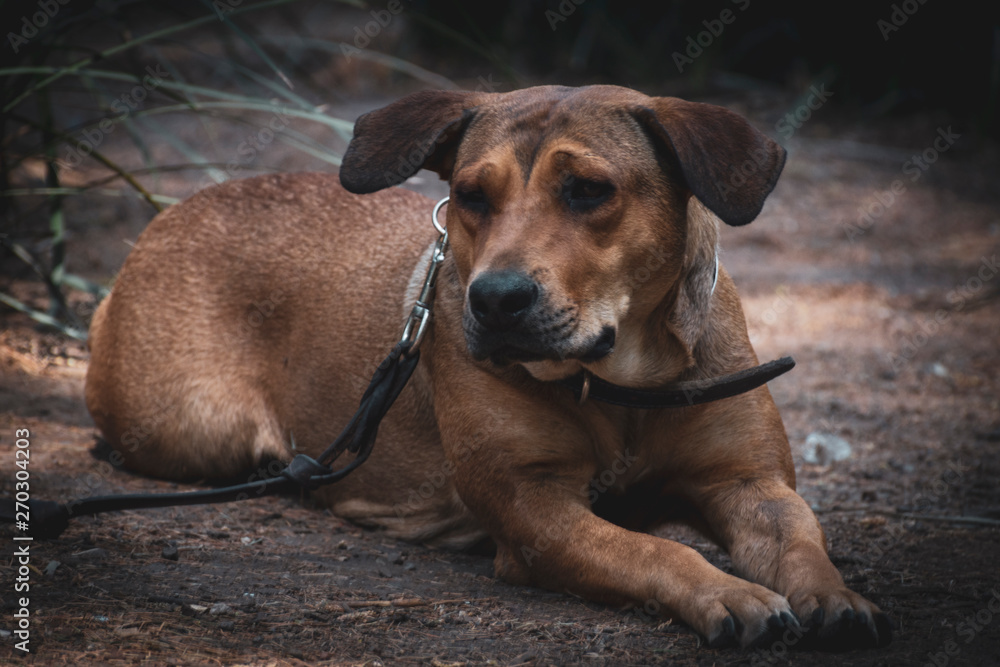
point(583, 225)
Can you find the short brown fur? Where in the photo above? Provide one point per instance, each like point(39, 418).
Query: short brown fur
point(253, 313)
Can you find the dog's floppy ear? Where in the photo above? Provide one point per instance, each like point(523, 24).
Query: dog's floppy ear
point(728, 164)
point(418, 131)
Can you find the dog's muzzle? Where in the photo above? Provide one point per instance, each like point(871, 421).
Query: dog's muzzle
point(508, 319)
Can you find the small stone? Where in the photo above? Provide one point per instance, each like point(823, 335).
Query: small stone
point(171, 552)
point(227, 625)
point(825, 448)
point(51, 568)
point(219, 608)
point(900, 466)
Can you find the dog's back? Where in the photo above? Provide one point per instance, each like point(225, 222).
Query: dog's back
point(252, 315)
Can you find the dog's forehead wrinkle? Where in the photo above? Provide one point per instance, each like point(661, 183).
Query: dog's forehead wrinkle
point(528, 125)
point(521, 131)
point(483, 171)
point(530, 139)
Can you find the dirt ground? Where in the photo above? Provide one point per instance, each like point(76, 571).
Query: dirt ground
point(892, 319)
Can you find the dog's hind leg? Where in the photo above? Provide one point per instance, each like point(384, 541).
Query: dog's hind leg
point(173, 420)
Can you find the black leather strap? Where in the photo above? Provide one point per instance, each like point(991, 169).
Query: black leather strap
point(48, 519)
point(680, 394)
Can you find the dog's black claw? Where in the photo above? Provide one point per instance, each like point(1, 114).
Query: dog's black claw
point(809, 631)
point(865, 631)
point(777, 625)
point(873, 631)
point(790, 619)
point(848, 631)
point(852, 630)
point(840, 629)
point(726, 636)
point(883, 625)
point(738, 626)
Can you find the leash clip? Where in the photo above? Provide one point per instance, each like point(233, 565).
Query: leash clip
point(416, 323)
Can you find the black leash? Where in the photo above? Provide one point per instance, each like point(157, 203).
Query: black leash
point(680, 394)
point(47, 519)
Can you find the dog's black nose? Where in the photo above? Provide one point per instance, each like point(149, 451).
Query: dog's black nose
point(500, 300)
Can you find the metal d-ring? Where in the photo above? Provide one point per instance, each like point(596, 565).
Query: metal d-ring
point(434, 216)
point(585, 388)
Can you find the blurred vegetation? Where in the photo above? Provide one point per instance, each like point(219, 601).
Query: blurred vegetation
point(76, 78)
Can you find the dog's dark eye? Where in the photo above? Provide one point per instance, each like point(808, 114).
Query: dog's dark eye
point(585, 195)
point(472, 199)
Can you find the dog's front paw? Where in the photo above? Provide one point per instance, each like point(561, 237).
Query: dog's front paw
point(739, 613)
point(841, 620)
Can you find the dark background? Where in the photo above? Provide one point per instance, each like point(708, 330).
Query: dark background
point(945, 56)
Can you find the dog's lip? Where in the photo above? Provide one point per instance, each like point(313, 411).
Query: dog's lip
point(518, 347)
point(505, 355)
point(508, 354)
